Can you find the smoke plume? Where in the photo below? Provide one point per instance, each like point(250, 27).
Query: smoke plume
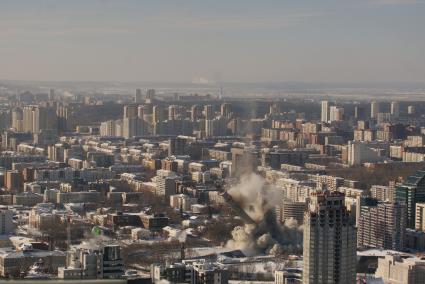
point(266, 235)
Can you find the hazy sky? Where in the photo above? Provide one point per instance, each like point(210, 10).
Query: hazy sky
point(218, 40)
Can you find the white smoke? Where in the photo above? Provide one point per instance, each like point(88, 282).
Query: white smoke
point(95, 241)
point(181, 237)
point(258, 200)
point(34, 232)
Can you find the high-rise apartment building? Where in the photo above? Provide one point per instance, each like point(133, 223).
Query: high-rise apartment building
point(166, 183)
point(195, 112)
point(51, 94)
point(381, 225)
point(17, 119)
point(5, 119)
point(173, 112)
point(374, 109)
point(64, 122)
point(28, 118)
point(359, 112)
point(325, 111)
point(45, 119)
point(157, 114)
point(395, 109)
point(411, 192)
point(291, 210)
point(274, 109)
point(37, 118)
point(336, 113)
point(150, 95)
point(420, 217)
point(13, 181)
point(225, 109)
point(6, 221)
point(244, 160)
point(144, 112)
point(130, 111)
point(215, 127)
point(329, 240)
point(141, 110)
point(132, 124)
point(138, 98)
point(382, 193)
point(177, 146)
point(208, 112)
point(107, 128)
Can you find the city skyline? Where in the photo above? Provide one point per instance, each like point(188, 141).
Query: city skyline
point(212, 142)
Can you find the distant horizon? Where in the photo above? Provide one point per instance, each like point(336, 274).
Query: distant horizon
point(211, 83)
point(357, 91)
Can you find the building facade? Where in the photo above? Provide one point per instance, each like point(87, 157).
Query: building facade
point(329, 241)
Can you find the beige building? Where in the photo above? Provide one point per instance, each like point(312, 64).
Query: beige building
point(395, 270)
point(288, 275)
point(420, 217)
point(13, 262)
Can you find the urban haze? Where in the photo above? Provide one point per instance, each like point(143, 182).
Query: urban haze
point(212, 142)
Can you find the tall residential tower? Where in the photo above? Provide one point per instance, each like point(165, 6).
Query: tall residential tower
point(329, 241)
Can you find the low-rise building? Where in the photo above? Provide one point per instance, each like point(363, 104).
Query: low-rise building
point(92, 263)
point(13, 262)
point(394, 269)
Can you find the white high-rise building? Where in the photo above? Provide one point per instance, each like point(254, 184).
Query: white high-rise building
point(374, 109)
point(336, 113)
point(173, 112)
point(360, 152)
point(329, 241)
point(133, 126)
point(37, 118)
point(325, 111)
point(28, 118)
point(17, 119)
point(107, 128)
point(395, 109)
